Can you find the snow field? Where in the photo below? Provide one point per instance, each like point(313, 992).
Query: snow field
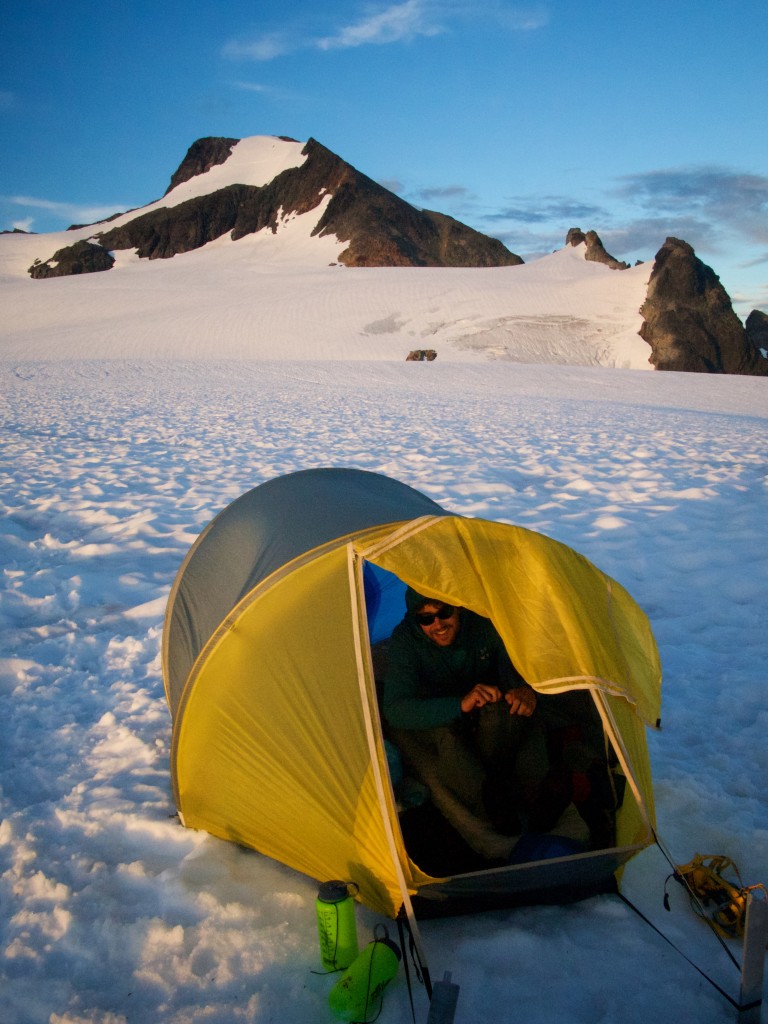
point(283, 296)
point(112, 912)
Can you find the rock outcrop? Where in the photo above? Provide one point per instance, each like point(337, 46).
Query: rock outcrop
point(689, 320)
point(595, 250)
point(201, 157)
point(171, 230)
point(375, 227)
point(757, 331)
point(81, 258)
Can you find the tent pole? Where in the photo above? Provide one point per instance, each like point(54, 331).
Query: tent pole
point(753, 957)
point(355, 566)
point(611, 730)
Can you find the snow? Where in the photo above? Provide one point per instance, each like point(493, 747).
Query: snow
point(139, 402)
point(277, 297)
point(283, 295)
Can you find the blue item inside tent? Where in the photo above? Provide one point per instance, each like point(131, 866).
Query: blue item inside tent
point(384, 601)
point(534, 846)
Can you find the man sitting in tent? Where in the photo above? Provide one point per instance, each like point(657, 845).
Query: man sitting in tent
point(465, 722)
point(496, 757)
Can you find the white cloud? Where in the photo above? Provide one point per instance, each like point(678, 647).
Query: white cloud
point(266, 47)
point(526, 19)
point(274, 93)
point(513, 17)
point(253, 87)
point(393, 23)
point(402, 21)
point(40, 204)
point(72, 212)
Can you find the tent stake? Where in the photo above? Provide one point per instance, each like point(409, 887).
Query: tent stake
point(753, 958)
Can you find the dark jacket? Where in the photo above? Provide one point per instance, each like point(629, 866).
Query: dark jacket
point(424, 683)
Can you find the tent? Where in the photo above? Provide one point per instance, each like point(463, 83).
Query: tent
point(267, 665)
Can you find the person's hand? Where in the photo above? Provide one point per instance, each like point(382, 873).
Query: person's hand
point(521, 700)
point(480, 695)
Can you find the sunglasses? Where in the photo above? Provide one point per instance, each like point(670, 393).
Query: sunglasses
point(427, 618)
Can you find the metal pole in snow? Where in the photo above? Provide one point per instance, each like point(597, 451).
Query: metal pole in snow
point(753, 956)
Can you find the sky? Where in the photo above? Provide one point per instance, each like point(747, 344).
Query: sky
point(638, 121)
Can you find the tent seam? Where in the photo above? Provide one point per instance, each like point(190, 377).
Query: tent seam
point(565, 683)
point(404, 532)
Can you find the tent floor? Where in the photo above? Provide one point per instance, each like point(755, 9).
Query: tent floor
point(440, 851)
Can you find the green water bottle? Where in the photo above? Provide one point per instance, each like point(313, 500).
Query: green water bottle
point(336, 927)
point(358, 993)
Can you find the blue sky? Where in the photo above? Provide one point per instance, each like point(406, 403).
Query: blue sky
point(637, 120)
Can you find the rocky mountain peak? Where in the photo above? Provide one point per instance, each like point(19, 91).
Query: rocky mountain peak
point(689, 320)
point(375, 227)
point(595, 250)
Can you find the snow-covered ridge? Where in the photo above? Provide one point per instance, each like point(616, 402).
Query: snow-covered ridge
point(272, 296)
point(253, 161)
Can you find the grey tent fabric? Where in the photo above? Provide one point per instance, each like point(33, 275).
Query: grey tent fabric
point(264, 530)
